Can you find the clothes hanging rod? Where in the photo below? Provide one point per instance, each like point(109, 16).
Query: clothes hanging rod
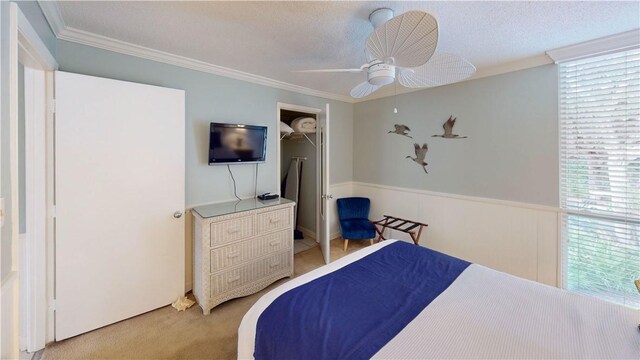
point(303, 158)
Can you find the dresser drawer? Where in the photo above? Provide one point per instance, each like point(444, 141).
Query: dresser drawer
point(248, 273)
point(238, 253)
point(230, 230)
point(274, 220)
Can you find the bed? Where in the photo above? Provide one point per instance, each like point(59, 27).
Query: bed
point(396, 300)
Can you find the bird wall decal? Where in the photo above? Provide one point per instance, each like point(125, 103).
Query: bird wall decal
point(421, 152)
point(401, 130)
point(448, 130)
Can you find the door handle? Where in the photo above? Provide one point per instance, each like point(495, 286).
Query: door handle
point(327, 196)
point(177, 214)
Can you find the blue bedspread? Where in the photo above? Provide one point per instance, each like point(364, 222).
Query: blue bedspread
point(353, 312)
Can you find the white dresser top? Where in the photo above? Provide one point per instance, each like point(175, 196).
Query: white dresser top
point(207, 211)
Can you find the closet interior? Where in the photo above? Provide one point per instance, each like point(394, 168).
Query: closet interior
point(298, 178)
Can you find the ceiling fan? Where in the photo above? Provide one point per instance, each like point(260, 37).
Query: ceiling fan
point(404, 47)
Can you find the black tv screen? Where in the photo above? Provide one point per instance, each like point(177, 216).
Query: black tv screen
point(232, 143)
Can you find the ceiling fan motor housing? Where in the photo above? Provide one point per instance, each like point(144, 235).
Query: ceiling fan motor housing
point(381, 74)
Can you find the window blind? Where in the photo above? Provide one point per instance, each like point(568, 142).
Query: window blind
point(600, 175)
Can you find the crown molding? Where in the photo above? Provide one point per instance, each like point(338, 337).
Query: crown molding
point(53, 15)
point(63, 32)
point(608, 44)
point(504, 68)
point(102, 42)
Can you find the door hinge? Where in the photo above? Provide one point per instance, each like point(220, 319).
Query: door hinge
point(52, 305)
point(53, 211)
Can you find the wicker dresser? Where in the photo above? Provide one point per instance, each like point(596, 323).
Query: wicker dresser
point(240, 248)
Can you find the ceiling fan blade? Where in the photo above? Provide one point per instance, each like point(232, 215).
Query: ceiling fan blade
point(440, 70)
point(330, 71)
point(363, 89)
point(407, 40)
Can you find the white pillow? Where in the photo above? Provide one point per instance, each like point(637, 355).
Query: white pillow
point(285, 129)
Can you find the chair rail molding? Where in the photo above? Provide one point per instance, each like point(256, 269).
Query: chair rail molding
point(514, 237)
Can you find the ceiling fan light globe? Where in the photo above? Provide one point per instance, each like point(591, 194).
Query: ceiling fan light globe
point(381, 80)
point(381, 74)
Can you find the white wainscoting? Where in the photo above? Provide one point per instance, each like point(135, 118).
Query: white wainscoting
point(517, 238)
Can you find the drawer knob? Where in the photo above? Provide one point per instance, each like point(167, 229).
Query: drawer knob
point(233, 230)
point(233, 255)
point(274, 264)
point(274, 220)
point(274, 243)
point(233, 279)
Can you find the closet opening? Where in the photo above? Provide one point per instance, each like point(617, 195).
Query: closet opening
point(299, 179)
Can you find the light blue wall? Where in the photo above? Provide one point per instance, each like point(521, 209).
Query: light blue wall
point(211, 98)
point(511, 153)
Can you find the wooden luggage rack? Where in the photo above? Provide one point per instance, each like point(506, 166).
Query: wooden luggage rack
point(402, 225)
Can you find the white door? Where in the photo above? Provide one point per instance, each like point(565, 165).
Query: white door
point(119, 178)
point(324, 234)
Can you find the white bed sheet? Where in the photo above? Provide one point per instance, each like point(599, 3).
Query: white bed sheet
point(491, 315)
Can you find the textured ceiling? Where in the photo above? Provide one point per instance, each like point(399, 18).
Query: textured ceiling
point(272, 38)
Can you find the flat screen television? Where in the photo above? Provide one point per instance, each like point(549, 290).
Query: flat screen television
point(234, 143)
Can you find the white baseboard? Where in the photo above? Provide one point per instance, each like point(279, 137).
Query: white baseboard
point(307, 233)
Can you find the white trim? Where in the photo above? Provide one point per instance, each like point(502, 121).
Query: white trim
point(122, 47)
point(36, 209)
point(11, 313)
point(517, 65)
point(308, 233)
point(53, 15)
point(26, 47)
point(50, 206)
point(499, 69)
point(33, 47)
point(25, 295)
point(618, 42)
point(67, 33)
point(311, 234)
point(291, 107)
point(463, 197)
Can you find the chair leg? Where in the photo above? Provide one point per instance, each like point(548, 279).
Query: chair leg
point(371, 241)
point(346, 244)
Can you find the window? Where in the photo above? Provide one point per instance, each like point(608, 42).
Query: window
point(600, 175)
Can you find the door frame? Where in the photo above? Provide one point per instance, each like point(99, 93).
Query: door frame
point(309, 110)
point(26, 47)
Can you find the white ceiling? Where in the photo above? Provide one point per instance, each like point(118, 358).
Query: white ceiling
point(272, 38)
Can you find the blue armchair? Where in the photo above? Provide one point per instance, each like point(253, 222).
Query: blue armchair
point(353, 215)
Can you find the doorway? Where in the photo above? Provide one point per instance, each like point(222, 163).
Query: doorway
point(303, 155)
point(24, 318)
point(298, 177)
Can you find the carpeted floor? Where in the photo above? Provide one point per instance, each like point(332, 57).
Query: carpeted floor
point(167, 334)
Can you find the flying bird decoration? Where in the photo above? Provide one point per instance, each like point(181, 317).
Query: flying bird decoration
point(448, 130)
point(401, 130)
point(421, 152)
